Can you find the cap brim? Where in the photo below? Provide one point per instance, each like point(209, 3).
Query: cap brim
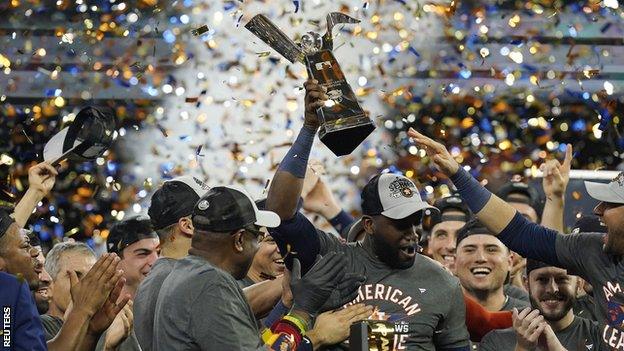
point(405, 210)
point(602, 192)
point(267, 219)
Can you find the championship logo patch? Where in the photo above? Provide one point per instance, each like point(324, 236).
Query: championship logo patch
point(619, 179)
point(401, 187)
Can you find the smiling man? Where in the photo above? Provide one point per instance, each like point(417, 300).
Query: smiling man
point(482, 264)
point(267, 263)
point(403, 286)
point(442, 226)
point(604, 270)
point(553, 293)
point(135, 241)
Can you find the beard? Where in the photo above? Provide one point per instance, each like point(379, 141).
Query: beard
point(42, 306)
point(553, 317)
point(388, 254)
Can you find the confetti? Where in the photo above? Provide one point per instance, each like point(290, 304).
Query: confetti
point(296, 3)
point(201, 30)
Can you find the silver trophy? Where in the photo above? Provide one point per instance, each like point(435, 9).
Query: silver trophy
point(344, 125)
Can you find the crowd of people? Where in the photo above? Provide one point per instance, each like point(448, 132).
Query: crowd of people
point(210, 268)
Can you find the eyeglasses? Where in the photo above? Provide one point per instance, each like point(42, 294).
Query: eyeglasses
point(255, 231)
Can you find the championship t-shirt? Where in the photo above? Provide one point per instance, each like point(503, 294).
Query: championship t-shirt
point(580, 335)
point(581, 254)
point(424, 302)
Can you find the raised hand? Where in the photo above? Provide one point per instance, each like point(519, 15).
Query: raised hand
point(528, 326)
point(91, 292)
point(120, 328)
point(556, 175)
point(110, 310)
point(41, 178)
point(436, 151)
point(315, 97)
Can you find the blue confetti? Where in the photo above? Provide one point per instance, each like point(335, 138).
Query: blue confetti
point(296, 3)
point(413, 51)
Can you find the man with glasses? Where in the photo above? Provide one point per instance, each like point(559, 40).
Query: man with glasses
point(595, 257)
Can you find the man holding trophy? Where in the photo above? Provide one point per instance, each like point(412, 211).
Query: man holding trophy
point(418, 305)
point(343, 122)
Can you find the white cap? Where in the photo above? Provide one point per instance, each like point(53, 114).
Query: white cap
point(607, 192)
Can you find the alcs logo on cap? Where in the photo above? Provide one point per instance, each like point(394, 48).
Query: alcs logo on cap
point(619, 179)
point(401, 186)
point(203, 205)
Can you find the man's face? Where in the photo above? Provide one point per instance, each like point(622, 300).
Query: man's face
point(441, 246)
point(247, 243)
point(552, 291)
point(138, 258)
point(394, 240)
point(482, 263)
point(612, 215)
point(19, 258)
point(78, 262)
point(44, 294)
point(268, 260)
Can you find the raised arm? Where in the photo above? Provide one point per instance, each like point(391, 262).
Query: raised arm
point(528, 239)
point(288, 181)
point(41, 179)
point(555, 182)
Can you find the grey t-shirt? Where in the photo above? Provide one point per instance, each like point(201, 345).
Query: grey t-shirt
point(51, 326)
point(425, 297)
point(580, 335)
point(245, 282)
point(511, 302)
point(145, 301)
point(516, 292)
point(201, 307)
point(585, 308)
point(129, 344)
point(581, 254)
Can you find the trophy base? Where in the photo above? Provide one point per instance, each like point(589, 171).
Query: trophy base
point(343, 138)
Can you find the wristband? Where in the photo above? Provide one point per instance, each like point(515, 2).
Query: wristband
point(475, 195)
point(296, 160)
point(297, 322)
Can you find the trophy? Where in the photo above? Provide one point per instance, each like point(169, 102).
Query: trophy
point(344, 125)
point(372, 335)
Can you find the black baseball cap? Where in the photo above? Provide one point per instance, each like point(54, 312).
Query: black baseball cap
point(473, 227)
point(224, 209)
point(129, 231)
point(174, 200)
point(5, 222)
point(393, 196)
point(532, 265)
point(447, 204)
point(589, 224)
point(522, 193)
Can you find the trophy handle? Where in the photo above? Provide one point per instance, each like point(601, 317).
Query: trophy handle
point(332, 19)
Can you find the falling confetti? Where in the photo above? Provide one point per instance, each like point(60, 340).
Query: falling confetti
point(201, 30)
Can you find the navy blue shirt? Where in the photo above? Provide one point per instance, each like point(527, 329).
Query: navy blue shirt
point(21, 326)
